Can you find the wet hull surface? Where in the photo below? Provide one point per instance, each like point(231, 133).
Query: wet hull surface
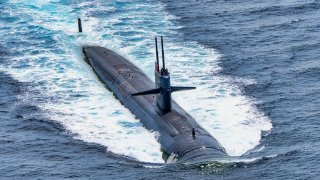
point(175, 127)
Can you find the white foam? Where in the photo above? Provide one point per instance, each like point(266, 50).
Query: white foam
point(83, 105)
point(217, 104)
point(91, 112)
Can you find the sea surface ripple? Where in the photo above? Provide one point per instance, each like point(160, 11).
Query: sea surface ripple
point(255, 65)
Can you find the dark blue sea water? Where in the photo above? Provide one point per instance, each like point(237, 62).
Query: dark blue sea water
point(255, 64)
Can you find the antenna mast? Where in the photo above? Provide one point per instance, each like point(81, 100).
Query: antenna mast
point(157, 54)
point(163, 63)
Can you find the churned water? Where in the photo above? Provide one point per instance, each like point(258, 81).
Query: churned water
point(254, 65)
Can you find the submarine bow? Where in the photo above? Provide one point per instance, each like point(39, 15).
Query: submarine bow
point(182, 139)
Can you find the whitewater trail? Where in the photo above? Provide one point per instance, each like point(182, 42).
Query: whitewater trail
point(91, 112)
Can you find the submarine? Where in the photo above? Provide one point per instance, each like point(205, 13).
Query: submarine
point(182, 139)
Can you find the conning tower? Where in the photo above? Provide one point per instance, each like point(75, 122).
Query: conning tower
point(163, 87)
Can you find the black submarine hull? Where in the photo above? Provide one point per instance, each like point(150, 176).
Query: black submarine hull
point(180, 136)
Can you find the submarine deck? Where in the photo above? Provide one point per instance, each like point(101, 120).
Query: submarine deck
point(175, 127)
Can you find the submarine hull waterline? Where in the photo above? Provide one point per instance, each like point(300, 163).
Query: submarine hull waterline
point(179, 134)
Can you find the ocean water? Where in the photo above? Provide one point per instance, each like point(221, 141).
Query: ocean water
point(255, 65)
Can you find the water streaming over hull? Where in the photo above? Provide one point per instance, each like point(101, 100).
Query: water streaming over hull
point(48, 54)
